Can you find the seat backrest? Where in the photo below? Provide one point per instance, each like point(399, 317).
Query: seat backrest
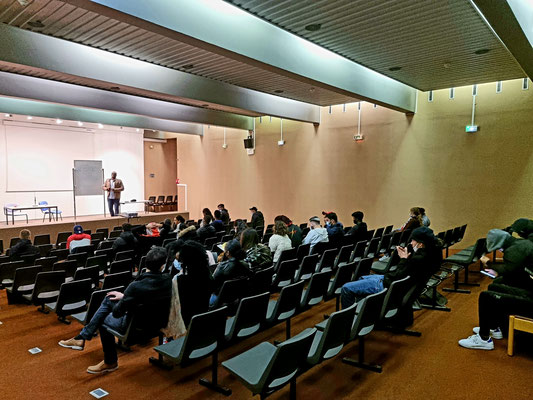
point(46, 262)
point(88, 249)
point(372, 248)
point(321, 247)
point(479, 248)
point(406, 235)
point(105, 244)
point(44, 249)
point(29, 259)
point(231, 292)
point(317, 289)
point(68, 266)
point(73, 296)
point(395, 240)
point(285, 273)
point(369, 313)
point(384, 244)
point(47, 282)
point(336, 334)
point(288, 301)
point(388, 229)
point(169, 199)
point(204, 335)
point(344, 254)
point(97, 236)
point(41, 239)
point(328, 259)
point(343, 275)
point(250, 315)
point(96, 300)
point(307, 267)
point(105, 252)
point(91, 273)
point(379, 232)
point(260, 282)
point(151, 199)
point(359, 251)
point(114, 234)
point(116, 280)
point(105, 231)
point(370, 234)
point(80, 258)
point(25, 276)
point(7, 269)
point(290, 356)
point(394, 297)
point(61, 254)
point(97, 261)
point(13, 241)
point(160, 199)
point(62, 237)
point(303, 250)
point(121, 266)
point(363, 268)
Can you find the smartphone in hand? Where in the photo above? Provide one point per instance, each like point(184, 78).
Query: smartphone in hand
point(488, 274)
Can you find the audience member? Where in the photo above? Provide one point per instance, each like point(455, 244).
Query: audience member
point(316, 233)
point(172, 265)
point(425, 219)
point(258, 256)
point(517, 254)
point(217, 223)
point(239, 226)
point(414, 221)
point(179, 224)
point(419, 264)
point(206, 230)
point(225, 214)
point(126, 240)
point(195, 283)
point(523, 228)
point(152, 289)
point(334, 227)
point(189, 233)
point(206, 212)
point(359, 229)
point(258, 219)
point(234, 268)
point(494, 307)
point(295, 233)
point(279, 241)
point(23, 246)
point(78, 239)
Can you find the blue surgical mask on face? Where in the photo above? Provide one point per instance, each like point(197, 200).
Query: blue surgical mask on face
point(177, 265)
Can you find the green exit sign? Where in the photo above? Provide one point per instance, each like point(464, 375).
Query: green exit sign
point(471, 128)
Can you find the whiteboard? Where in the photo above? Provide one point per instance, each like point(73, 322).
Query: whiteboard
point(88, 177)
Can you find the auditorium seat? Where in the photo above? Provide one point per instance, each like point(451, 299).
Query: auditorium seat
point(307, 268)
point(204, 338)
point(46, 289)
point(114, 234)
point(359, 251)
point(316, 290)
point(23, 282)
point(378, 233)
point(343, 275)
point(7, 272)
point(327, 260)
point(249, 318)
point(230, 294)
point(73, 297)
point(98, 261)
point(343, 256)
point(388, 229)
point(289, 254)
point(286, 306)
point(459, 262)
point(126, 265)
point(266, 368)
point(80, 258)
point(62, 237)
point(13, 241)
point(29, 259)
point(261, 280)
point(68, 266)
point(91, 273)
point(41, 239)
point(125, 255)
point(47, 263)
point(105, 231)
point(118, 279)
point(61, 254)
point(302, 251)
point(285, 274)
point(84, 317)
point(45, 249)
point(371, 250)
point(98, 236)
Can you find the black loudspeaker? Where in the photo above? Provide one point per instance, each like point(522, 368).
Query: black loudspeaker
point(249, 143)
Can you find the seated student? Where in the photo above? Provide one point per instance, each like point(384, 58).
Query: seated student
point(425, 218)
point(239, 226)
point(279, 241)
point(173, 265)
point(150, 288)
point(189, 233)
point(414, 221)
point(225, 214)
point(316, 233)
point(195, 284)
point(217, 222)
point(206, 230)
point(419, 264)
point(295, 233)
point(206, 212)
point(78, 239)
point(359, 229)
point(126, 240)
point(258, 256)
point(334, 227)
point(494, 307)
point(234, 268)
point(523, 227)
point(258, 219)
point(23, 246)
point(178, 224)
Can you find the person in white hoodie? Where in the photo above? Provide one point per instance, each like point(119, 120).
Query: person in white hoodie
point(316, 234)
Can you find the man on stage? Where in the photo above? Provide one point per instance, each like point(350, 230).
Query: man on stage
point(113, 187)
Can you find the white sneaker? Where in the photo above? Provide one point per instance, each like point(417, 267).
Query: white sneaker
point(475, 342)
point(494, 333)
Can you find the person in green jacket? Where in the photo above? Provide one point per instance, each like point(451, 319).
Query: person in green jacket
point(523, 227)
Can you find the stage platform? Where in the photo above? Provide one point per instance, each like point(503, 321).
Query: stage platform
point(92, 222)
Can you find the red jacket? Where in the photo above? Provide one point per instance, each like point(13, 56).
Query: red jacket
point(77, 236)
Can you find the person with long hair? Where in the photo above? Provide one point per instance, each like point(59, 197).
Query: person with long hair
point(280, 240)
point(414, 221)
point(258, 256)
point(206, 212)
point(295, 233)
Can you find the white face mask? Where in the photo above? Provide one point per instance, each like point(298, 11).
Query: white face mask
point(415, 248)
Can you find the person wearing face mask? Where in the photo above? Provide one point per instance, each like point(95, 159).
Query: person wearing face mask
point(420, 263)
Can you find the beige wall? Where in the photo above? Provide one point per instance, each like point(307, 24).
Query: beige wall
point(483, 179)
point(160, 160)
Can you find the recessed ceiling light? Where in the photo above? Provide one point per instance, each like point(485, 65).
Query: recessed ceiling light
point(278, 91)
point(58, 121)
point(395, 68)
point(80, 123)
point(29, 117)
point(100, 126)
point(8, 115)
point(36, 24)
point(188, 66)
point(313, 27)
point(137, 130)
point(481, 51)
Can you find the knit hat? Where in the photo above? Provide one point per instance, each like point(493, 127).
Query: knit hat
point(496, 239)
point(78, 229)
point(522, 226)
point(314, 219)
point(423, 235)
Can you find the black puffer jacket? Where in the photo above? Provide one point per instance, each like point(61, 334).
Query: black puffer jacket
point(231, 269)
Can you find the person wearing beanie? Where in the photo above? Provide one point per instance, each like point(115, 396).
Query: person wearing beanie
point(419, 264)
point(316, 233)
point(234, 268)
point(78, 239)
point(517, 254)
